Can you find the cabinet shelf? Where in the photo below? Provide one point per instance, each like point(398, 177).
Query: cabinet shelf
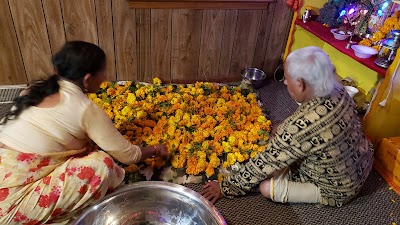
point(324, 33)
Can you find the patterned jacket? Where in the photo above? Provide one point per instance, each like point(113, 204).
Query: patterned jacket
point(322, 143)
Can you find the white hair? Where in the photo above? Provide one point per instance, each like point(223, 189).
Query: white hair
point(312, 65)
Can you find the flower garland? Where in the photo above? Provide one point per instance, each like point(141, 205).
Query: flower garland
point(203, 125)
point(391, 23)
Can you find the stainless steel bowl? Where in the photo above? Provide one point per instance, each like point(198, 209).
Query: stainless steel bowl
point(152, 202)
point(255, 76)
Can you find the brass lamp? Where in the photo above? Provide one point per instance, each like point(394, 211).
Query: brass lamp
point(388, 50)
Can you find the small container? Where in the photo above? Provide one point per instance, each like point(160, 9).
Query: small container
point(363, 52)
point(340, 35)
point(306, 15)
point(352, 91)
point(255, 76)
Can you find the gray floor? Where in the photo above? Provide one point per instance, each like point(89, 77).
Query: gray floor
point(376, 204)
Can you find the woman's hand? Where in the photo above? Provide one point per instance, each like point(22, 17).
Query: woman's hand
point(154, 150)
point(212, 191)
point(162, 151)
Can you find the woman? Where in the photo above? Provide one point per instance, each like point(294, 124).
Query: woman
point(47, 171)
point(319, 154)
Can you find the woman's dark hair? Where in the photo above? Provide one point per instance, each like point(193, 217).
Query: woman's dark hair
point(72, 62)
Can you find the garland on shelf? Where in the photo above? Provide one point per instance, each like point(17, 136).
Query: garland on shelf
point(391, 23)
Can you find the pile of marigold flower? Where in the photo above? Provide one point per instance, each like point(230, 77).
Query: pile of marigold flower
point(203, 125)
point(391, 23)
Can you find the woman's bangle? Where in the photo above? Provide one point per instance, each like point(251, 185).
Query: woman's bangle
point(158, 150)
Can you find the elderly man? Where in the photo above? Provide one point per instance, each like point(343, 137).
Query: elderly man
point(319, 154)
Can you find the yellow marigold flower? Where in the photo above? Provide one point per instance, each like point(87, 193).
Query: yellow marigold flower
point(171, 130)
point(105, 85)
point(141, 114)
point(199, 91)
point(174, 161)
point(196, 119)
point(239, 157)
point(251, 96)
point(131, 98)
point(226, 164)
point(169, 88)
point(157, 81)
point(173, 144)
point(128, 84)
point(377, 48)
point(210, 171)
point(232, 140)
point(201, 165)
point(206, 133)
point(186, 117)
point(126, 111)
point(198, 138)
point(175, 100)
point(201, 154)
point(231, 159)
point(226, 146)
point(262, 119)
point(386, 28)
point(214, 160)
point(205, 144)
point(92, 96)
point(187, 97)
point(161, 98)
point(224, 90)
point(200, 97)
point(140, 93)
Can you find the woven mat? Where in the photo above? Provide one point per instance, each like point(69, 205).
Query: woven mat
point(375, 205)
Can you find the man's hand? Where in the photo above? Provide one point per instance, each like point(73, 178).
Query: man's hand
point(212, 191)
point(274, 129)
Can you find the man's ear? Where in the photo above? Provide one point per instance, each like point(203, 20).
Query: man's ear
point(85, 80)
point(301, 84)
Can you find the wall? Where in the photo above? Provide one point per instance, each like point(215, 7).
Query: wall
point(177, 45)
